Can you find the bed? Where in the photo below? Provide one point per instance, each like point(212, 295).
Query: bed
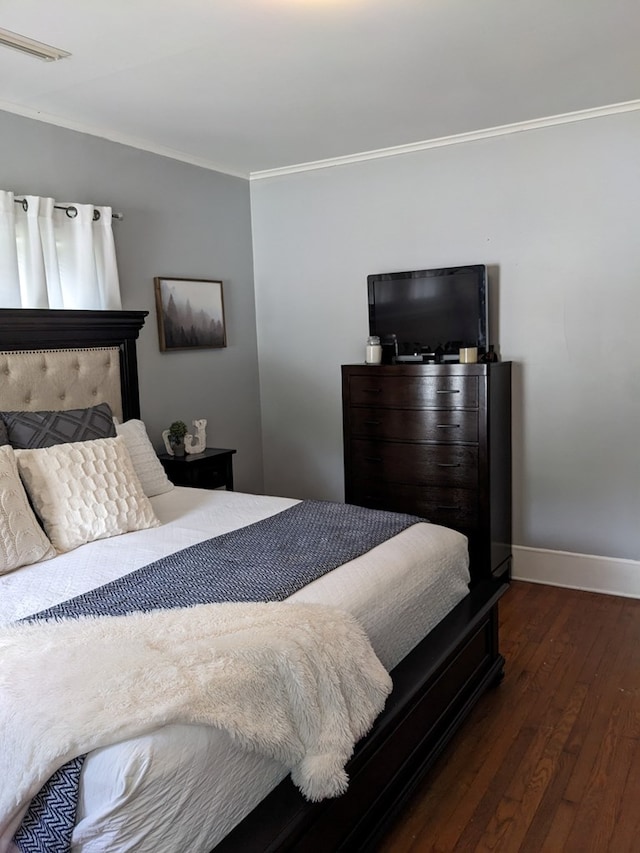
point(441, 662)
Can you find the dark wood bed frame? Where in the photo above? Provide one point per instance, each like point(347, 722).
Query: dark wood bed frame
point(435, 686)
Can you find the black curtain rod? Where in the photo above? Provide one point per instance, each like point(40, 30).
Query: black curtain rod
point(72, 211)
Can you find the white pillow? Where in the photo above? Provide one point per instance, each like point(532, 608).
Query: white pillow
point(85, 490)
point(147, 465)
point(22, 540)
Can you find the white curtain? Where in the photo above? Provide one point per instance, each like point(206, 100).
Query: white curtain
point(56, 255)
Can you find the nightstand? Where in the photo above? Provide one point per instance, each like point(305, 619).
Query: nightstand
point(210, 469)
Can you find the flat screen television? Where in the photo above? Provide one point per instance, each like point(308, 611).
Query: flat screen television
point(424, 312)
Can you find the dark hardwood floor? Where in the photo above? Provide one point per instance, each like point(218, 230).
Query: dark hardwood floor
point(549, 761)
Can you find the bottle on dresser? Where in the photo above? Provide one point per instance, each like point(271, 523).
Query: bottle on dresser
point(373, 351)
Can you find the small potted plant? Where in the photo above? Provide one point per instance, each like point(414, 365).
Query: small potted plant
point(177, 432)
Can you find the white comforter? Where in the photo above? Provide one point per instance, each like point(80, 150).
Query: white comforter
point(398, 592)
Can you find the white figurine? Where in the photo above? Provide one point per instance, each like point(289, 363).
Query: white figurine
point(200, 442)
point(167, 443)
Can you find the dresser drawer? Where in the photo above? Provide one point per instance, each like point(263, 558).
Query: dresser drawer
point(440, 425)
point(456, 508)
point(451, 465)
point(413, 391)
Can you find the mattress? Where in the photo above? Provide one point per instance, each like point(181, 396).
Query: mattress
point(185, 787)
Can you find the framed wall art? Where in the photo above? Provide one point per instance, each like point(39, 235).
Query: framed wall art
point(190, 314)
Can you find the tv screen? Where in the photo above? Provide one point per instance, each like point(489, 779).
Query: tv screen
point(430, 309)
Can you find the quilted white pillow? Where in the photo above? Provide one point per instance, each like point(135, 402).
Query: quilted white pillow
point(85, 490)
point(147, 465)
point(22, 540)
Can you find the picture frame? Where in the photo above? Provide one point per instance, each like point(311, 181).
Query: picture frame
point(190, 314)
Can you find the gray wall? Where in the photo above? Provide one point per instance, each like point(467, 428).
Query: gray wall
point(556, 211)
point(179, 220)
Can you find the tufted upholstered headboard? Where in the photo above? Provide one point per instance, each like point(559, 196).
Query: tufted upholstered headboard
point(69, 359)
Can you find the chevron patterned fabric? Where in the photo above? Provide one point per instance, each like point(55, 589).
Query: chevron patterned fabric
point(48, 825)
point(265, 561)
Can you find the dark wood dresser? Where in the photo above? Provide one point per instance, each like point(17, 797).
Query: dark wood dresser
point(434, 440)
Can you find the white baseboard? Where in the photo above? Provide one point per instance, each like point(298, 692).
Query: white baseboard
point(608, 575)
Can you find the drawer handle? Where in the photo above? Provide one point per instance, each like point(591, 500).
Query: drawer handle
point(448, 391)
point(371, 390)
point(448, 426)
point(372, 459)
point(448, 464)
point(449, 508)
point(372, 423)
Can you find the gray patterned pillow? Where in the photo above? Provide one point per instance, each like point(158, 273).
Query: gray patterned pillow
point(29, 430)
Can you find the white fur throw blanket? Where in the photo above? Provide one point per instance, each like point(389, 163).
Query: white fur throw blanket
point(297, 682)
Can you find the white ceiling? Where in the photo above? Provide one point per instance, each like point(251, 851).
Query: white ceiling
point(250, 85)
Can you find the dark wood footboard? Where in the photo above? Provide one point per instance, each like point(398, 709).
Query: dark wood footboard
point(435, 687)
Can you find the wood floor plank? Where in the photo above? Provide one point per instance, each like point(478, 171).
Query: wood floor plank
point(539, 829)
point(559, 836)
point(515, 808)
point(602, 709)
point(626, 834)
point(533, 777)
point(595, 820)
point(548, 762)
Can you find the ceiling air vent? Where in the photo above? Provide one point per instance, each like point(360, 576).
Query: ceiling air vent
point(31, 47)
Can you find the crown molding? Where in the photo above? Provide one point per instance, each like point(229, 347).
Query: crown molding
point(120, 138)
point(456, 139)
point(396, 151)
